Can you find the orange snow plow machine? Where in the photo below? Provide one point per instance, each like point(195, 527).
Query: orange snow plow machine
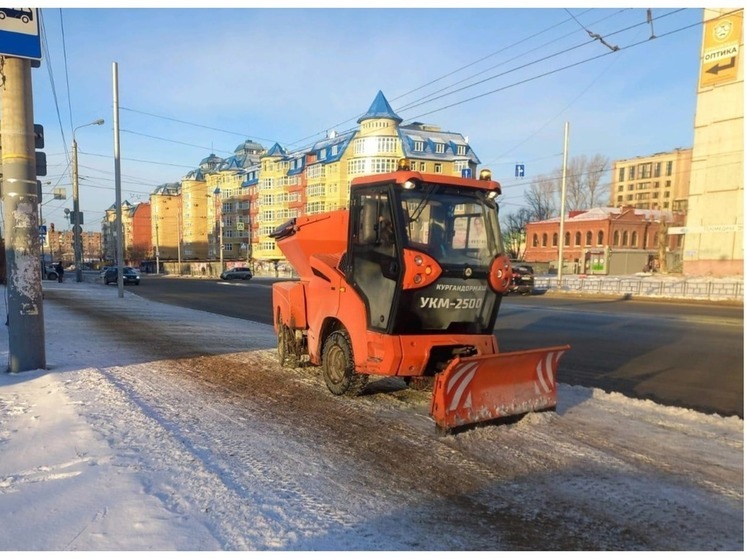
point(408, 283)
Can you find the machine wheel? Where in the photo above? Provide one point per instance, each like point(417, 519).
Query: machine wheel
point(338, 366)
point(286, 347)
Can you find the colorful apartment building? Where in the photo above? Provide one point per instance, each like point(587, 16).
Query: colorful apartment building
point(140, 248)
point(318, 179)
point(165, 220)
point(226, 209)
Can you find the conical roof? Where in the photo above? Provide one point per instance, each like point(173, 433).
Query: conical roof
point(380, 108)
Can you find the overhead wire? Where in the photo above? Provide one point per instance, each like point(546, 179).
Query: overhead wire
point(422, 114)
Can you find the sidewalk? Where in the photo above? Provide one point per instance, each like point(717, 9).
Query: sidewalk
point(82, 468)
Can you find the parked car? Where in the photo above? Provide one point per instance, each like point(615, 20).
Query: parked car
point(50, 273)
point(129, 275)
point(523, 279)
point(237, 273)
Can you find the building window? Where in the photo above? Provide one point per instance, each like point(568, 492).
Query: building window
point(620, 188)
point(438, 167)
point(554, 239)
point(616, 238)
point(625, 239)
point(440, 148)
point(460, 150)
point(631, 173)
point(646, 170)
point(419, 145)
point(544, 239)
point(578, 238)
point(536, 240)
point(657, 169)
point(634, 238)
point(669, 168)
point(423, 166)
point(655, 239)
point(621, 174)
point(567, 239)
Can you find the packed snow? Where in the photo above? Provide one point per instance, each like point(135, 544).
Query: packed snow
point(160, 428)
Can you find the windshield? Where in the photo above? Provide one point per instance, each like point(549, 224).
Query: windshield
point(455, 226)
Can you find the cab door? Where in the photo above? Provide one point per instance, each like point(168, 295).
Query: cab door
point(374, 264)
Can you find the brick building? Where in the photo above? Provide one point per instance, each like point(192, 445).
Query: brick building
point(606, 241)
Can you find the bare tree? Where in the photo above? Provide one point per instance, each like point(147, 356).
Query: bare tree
point(514, 232)
point(598, 192)
point(584, 187)
point(541, 198)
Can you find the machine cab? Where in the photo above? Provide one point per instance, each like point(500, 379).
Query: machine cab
point(421, 252)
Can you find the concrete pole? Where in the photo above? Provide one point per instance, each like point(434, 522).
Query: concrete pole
point(26, 350)
point(118, 183)
point(76, 214)
point(562, 208)
point(178, 241)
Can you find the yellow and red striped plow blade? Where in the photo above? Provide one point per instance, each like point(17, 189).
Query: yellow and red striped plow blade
point(484, 387)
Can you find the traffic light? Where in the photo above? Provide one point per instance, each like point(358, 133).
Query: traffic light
point(38, 136)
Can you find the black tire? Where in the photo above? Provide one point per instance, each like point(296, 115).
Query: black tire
point(338, 366)
point(286, 350)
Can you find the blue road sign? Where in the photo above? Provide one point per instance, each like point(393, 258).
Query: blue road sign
point(465, 173)
point(19, 33)
point(520, 171)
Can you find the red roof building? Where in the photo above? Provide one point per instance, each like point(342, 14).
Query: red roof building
point(606, 240)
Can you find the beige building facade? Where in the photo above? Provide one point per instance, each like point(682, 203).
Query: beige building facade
point(713, 234)
point(656, 182)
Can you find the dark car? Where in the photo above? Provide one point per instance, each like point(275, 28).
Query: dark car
point(523, 279)
point(129, 275)
point(237, 273)
point(50, 273)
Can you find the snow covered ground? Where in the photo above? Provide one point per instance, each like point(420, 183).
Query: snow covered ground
point(161, 428)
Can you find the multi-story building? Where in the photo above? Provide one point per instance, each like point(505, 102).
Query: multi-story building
point(227, 208)
point(140, 247)
point(318, 179)
point(231, 226)
point(607, 240)
point(658, 181)
point(109, 231)
point(59, 246)
point(713, 233)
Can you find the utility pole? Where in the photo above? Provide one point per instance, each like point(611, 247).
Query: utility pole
point(21, 210)
point(562, 207)
point(178, 241)
point(77, 222)
point(118, 182)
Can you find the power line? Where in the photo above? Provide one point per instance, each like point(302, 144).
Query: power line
point(550, 72)
point(196, 125)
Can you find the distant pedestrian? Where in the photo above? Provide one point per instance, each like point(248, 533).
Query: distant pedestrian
point(60, 272)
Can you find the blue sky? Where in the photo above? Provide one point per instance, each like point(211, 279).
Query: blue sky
point(196, 81)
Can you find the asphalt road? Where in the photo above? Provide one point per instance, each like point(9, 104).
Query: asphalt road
point(674, 353)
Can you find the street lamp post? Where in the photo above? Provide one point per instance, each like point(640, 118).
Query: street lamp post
point(77, 229)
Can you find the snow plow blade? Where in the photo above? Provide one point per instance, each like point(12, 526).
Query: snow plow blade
point(485, 387)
